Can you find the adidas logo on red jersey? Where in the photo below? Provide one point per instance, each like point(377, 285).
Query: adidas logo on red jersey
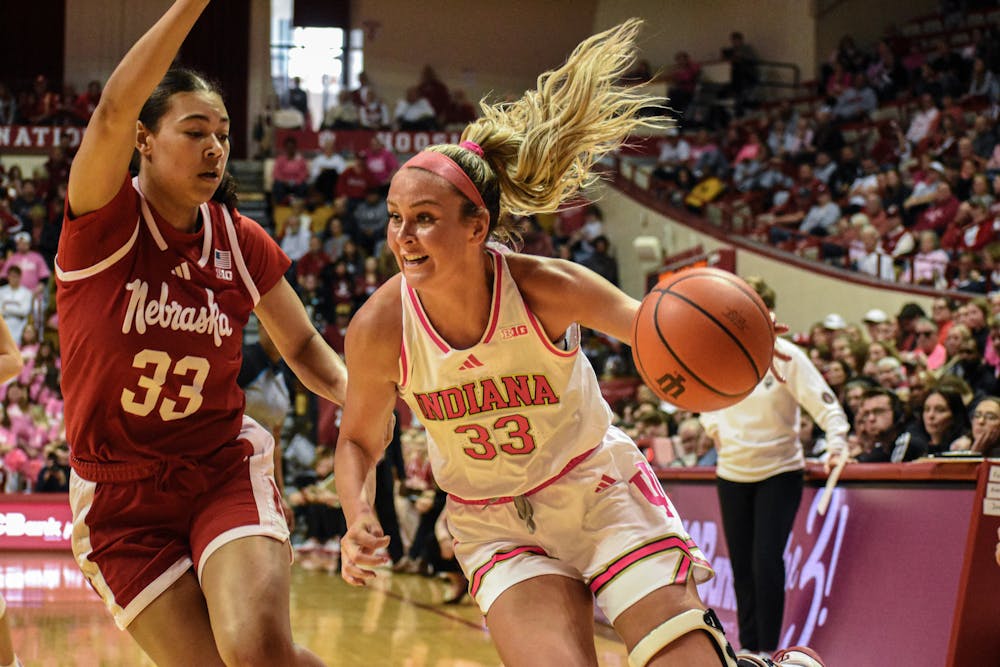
point(605, 482)
point(470, 362)
point(182, 271)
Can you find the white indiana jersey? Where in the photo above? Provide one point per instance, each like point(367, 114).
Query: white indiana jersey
point(508, 413)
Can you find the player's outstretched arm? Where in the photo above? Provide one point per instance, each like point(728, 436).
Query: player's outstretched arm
point(11, 362)
point(102, 161)
point(563, 292)
point(304, 350)
point(373, 352)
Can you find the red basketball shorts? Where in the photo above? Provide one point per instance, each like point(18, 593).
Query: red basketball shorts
point(134, 539)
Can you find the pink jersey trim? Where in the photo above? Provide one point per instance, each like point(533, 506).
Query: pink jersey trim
point(574, 462)
point(660, 546)
point(497, 284)
point(422, 316)
point(404, 366)
point(483, 570)
point(494, 308)
point(545, 338)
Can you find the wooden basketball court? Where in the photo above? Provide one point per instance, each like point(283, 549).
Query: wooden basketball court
point(57, 621)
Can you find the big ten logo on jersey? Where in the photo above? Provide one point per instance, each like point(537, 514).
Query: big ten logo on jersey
point(223, 262)
point(513, 332)
point(814, 566)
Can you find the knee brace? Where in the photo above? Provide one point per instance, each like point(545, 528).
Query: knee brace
point(678, 626)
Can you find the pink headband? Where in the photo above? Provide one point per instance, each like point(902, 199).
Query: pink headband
point(448, 169)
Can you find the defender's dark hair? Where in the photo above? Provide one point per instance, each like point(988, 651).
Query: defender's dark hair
point(182, 80)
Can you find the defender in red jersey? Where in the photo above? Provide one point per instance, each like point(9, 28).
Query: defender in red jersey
point(177, 517)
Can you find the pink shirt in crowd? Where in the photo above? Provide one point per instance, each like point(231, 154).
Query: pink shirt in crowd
point(33, 268)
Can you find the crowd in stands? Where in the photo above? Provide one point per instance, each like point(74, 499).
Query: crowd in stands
point(34, 455)
point(428, 105)
point(43, 104)
point(889, 166)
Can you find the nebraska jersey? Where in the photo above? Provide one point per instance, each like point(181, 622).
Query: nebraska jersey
point(151, 322)
point(508, 413)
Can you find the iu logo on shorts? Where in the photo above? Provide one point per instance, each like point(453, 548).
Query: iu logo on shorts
point(671, 385)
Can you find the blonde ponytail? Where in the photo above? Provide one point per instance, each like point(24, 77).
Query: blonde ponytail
point(541, 150)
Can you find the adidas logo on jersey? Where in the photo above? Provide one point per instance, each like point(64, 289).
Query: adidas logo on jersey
point(605, 482)
point(470, 362)
point(182, 271)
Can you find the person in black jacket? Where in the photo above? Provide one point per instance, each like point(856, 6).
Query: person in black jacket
point(54, 477)
point(882, 418)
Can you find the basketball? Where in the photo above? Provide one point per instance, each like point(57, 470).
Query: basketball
point(703, 339)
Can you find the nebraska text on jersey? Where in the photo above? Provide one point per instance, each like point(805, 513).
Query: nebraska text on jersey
point(485, 395)
point(207, 319)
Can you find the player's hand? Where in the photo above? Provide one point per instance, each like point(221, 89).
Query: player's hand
point(359, 550)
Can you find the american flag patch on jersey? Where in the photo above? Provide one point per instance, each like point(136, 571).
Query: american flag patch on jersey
point(223, 259)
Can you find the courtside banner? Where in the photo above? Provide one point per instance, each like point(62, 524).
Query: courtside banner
point(38, 138)
point(356, 141)
point(876, 576)
point(35, 522)
point(407, 142)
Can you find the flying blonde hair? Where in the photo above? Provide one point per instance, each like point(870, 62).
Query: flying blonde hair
point(540, 150)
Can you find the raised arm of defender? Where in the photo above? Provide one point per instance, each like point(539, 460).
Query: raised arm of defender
point(103, 158)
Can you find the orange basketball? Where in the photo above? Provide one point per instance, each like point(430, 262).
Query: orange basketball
point(703, 339)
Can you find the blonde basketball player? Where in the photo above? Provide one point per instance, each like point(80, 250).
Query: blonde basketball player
point(550, 505)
